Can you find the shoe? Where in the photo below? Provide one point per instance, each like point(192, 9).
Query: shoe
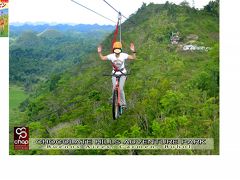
point(124, 106)
point(120, 110)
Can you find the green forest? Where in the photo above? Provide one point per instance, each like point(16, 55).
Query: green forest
point(36, 56)
point(172, 92)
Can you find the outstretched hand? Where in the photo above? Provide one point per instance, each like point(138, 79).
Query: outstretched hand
point(132, 47)
point(99, 49)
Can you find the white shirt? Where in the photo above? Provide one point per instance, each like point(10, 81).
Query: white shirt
point(119, 62)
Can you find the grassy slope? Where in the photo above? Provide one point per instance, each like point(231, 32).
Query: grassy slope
point(16, 96)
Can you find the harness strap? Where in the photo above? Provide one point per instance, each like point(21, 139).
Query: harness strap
point(115, 68)
point(119, 71)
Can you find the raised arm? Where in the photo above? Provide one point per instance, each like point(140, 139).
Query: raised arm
point(133, 56)
point(104, 58)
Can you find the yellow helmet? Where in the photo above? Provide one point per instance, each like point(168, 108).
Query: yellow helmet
point(117, 45)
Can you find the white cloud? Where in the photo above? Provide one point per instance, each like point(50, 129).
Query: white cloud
point(65, 11)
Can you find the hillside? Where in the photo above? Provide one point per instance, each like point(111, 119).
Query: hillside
point(171, 92)
point(16, 29)
point(50, 34)
point(37, 55)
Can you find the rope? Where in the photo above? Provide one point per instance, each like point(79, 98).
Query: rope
point(113, 41)
point(115, 34)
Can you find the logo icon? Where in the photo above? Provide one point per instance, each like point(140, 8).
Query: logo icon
point(21, 138)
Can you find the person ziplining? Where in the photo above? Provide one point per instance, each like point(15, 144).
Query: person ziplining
point(117, 59)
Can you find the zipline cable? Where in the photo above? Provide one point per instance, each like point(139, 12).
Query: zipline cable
point(118, 12)
point(115, 9)
point(93, 11)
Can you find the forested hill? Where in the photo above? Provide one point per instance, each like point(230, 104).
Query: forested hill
point(16, 29)
point(173, 89)
point(40, 51)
